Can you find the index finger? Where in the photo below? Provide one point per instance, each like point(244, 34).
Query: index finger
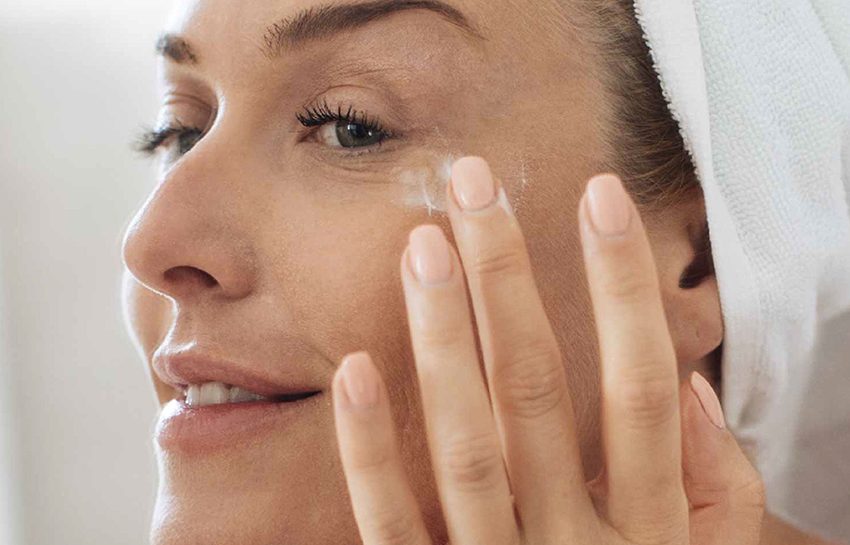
point(640, 385)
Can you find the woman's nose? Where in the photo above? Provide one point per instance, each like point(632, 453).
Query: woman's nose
point(188, 241)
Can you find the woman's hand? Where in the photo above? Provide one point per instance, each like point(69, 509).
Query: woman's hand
point(507, 465)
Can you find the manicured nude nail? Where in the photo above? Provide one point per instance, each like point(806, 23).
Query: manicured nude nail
point(473, 184)
point(608, 205)
point(708, 399)
point(359, 380)
point(429, 255)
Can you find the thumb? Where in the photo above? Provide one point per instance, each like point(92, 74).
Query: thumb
point(725, 491)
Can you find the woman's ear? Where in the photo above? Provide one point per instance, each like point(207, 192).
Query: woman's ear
point(681, 243)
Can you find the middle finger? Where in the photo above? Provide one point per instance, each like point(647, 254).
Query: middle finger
point(524, 367)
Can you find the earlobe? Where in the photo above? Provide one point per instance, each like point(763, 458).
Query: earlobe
point(696, 326)
point(698, 321)
point(689, 288)
point(702, 265)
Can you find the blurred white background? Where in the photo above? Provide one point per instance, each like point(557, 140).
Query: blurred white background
point(76, 410)
point(76, 82)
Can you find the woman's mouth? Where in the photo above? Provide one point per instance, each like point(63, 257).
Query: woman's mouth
point(222, 404)
point(213, 417)
point(217, 393)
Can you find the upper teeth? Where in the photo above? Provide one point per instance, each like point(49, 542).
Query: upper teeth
point(214, 393)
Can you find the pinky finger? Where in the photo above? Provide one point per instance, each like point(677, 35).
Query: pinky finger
point(384, 506)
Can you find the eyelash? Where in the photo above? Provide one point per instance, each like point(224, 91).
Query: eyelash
point(321, 114)
point(150, 140)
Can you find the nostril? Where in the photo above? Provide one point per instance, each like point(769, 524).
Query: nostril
point(189, 276)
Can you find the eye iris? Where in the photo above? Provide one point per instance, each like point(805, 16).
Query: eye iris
point(355, 135)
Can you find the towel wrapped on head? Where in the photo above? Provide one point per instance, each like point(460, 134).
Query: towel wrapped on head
point(761, 92)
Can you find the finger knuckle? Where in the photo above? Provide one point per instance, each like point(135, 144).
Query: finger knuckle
point(499, 260)
point(370, 462)
point(370, 458)
point(646, 402)
point(752, 492)
point(473, 463)
point(531, 381)
point(660, 529)
point(442, 335)
point(627, 286)
point(392, 528)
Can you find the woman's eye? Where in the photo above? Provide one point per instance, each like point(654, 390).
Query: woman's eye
point(349, 134)
point(175, 138)
point(186, 140)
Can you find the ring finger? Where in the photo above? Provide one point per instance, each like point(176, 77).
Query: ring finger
point(462, 436)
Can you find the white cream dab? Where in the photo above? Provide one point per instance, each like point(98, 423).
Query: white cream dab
point(425, 186)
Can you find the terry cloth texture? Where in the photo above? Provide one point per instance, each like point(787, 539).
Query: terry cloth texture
point(761, 91)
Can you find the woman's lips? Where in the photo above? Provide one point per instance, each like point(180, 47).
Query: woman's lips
point(231, 403)
point(211, 428)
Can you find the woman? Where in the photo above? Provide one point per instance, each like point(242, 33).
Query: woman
point(301, 143)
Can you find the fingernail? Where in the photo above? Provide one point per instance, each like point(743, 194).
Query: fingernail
point(429, 255)
point(608, 205)
point(708, 399)
point(472, 183)
point(359, 380)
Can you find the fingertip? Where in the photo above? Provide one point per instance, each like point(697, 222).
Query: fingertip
point(429, 255)
point(708, 400)
point(471, 165)
point(698, 429)
point(609, 206)
point(715, 468)
point(356, 383)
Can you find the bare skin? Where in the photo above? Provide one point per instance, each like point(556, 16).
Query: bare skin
point(273, 246)
point(538, 494)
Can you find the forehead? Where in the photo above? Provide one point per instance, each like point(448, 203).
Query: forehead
point(512, 30)
point(230, 25)
point(233, 42)
point(500, 41)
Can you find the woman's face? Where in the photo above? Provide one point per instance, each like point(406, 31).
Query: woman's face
point(269, 247)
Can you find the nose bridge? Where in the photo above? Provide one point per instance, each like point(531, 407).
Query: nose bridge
point(192, 236)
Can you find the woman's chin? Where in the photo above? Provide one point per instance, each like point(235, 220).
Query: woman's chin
point(270, 486)
point(226, 521)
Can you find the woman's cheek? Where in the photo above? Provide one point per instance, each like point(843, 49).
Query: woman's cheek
point(407, 176)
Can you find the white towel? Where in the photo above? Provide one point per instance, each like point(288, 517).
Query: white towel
point(761, 91)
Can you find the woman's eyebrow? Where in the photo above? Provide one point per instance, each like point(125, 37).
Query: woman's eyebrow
point(176, 49)
point(320, 22)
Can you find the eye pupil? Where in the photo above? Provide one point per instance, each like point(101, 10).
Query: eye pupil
point(358, 131)
point(356, 135)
